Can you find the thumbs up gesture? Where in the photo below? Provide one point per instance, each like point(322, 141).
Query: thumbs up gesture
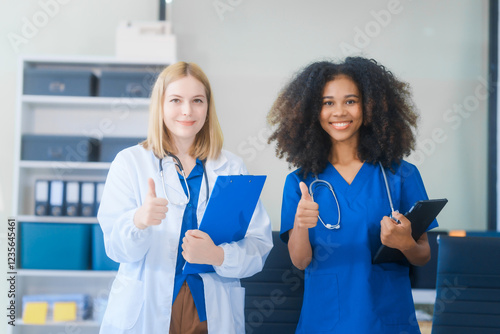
point(153, 209)
point(307, 210)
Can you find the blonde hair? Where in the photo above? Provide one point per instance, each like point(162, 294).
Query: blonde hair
point(208, 141)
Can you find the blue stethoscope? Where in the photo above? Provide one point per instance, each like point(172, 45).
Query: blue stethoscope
point(181, 169)
point(327, 184)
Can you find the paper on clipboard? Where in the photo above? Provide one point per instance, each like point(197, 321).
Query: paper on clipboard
point(229, 211)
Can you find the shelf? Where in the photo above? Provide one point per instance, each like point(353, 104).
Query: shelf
point(82, 101)
point(90, 60)
point(72, 324)
point(57, 115)
point(56, 219)
point(81, 165)
point(66, 273)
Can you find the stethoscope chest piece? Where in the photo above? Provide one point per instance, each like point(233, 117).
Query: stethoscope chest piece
point(332, 227)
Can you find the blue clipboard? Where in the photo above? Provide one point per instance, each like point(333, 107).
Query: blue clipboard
point(229, 211)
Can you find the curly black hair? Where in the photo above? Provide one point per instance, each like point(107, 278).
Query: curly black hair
point(389, 115)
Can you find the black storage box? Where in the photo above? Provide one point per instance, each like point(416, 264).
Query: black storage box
point(59, 82)
point(59, 148)
point(126, 84)
point(110, 146)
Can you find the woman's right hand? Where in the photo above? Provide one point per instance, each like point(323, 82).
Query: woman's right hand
point(152, 211)
point(306, 217)
point(307, 210)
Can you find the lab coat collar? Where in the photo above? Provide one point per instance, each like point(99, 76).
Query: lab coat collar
point(212, 164)
point(215, 164)
point(173, 185)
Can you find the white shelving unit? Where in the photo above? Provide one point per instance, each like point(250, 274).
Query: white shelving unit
point(91, 116)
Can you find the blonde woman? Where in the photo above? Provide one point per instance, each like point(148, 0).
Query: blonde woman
point(154, 198)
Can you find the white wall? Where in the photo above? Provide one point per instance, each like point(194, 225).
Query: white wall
point(250, 49)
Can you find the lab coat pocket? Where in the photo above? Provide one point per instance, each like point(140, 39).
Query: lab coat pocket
point(125, 302)
point(320, 308)
point(237, 295)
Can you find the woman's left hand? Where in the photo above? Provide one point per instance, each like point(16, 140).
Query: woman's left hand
point(198, 247)
point(396, 235)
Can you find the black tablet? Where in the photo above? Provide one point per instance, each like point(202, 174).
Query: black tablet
point(421, 215)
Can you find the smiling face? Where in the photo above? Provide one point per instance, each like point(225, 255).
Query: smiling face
point(185, 108)
point(342, 113)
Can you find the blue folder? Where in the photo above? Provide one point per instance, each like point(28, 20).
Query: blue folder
point(229, 211)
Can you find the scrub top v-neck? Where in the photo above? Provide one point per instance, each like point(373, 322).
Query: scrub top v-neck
point(344, 292)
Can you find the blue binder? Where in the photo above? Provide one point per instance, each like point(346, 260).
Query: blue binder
point(229, 211)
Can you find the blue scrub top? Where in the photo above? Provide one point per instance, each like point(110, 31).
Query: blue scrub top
point(344, 292)
point(190, 222)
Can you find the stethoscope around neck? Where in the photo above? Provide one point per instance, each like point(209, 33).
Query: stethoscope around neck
point(178, 163)
point(327, 184)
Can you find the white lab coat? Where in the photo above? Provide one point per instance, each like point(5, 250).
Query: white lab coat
point(140, 300)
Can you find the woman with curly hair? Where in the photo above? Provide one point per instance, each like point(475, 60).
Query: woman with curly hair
point(350, 124)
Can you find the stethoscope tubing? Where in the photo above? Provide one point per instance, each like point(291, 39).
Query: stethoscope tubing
point(330, 187)
point(177, 161)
